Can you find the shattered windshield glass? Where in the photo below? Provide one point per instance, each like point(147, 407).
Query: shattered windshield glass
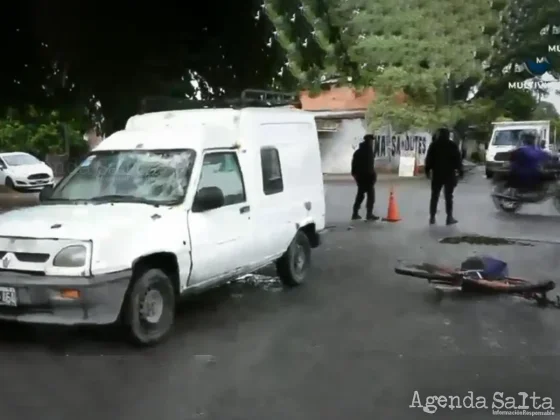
point(149, 176)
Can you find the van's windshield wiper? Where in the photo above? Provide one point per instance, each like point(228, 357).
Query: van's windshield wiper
point(120, 198)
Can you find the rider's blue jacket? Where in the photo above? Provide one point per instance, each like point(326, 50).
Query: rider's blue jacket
point(526, 161)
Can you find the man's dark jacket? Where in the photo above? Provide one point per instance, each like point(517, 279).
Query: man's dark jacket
point(363, 161)
point(444, 160)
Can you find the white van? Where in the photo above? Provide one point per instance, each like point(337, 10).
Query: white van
point(506, 136)
point(177, 202)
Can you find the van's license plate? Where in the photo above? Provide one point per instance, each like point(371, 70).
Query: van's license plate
point(8, 296)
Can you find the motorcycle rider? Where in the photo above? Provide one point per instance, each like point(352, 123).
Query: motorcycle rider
point(527, 160)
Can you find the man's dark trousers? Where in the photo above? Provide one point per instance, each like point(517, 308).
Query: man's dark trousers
point(448, 184)
point(365, 188)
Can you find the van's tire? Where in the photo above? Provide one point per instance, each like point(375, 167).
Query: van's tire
point(151, 288)
point(9, 183)
point(489, 174)
point(294, 265)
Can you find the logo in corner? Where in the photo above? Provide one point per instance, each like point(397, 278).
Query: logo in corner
point(538, 66)
point(6, 261)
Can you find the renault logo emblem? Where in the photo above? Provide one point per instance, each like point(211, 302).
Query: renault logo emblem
point(6, 260)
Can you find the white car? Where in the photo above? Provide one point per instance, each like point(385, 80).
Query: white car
point(22, 171)
point(176, 203)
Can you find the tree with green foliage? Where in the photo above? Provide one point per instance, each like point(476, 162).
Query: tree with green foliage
point(414, 53)
point(42, 133)
point(312, 40)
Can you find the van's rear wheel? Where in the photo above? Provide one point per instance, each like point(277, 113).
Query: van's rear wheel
point(149, 310)
point(489, 174)
point(294, 265)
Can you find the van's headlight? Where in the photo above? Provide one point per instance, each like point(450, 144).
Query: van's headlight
point(71, 256)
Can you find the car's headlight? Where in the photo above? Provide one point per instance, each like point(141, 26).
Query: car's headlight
point(71, 256)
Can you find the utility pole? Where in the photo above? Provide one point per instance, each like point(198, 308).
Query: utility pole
point(450, 90)
point(66, 140)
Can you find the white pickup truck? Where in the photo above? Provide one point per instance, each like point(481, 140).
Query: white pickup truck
point(506, 136)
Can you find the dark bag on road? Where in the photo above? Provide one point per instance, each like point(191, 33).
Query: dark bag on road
point(489, 268)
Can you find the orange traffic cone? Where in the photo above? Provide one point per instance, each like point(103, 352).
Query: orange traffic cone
point(393, 210)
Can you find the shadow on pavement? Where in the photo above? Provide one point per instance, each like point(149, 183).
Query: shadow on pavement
point(532, 218)
point(195, 312)
point(481, 240)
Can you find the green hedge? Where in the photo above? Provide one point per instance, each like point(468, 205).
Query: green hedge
point(41, 133)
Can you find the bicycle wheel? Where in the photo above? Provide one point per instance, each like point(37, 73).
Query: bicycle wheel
point(426, 271)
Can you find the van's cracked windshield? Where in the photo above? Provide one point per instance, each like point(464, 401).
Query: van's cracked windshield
point(147, 176)
point(280, 210)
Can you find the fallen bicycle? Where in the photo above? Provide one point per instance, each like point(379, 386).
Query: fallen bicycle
point(484, 275)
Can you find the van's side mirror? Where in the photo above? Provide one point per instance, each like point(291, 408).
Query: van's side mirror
point(543, 144)
point(46, 193)
point(208, 198)
point(486, 146)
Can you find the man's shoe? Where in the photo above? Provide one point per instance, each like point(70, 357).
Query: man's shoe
point(372, 218)
point(432, 220)
point(356, 217)
point(451, 221)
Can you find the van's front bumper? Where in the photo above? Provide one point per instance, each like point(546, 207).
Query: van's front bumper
point(65, 300)
point(495, 166)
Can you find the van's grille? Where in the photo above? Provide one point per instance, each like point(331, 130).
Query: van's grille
point(38, 176)
point(502, 156)
point(28, 257)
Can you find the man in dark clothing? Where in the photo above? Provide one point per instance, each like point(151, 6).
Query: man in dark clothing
point(363, 171)
point(443, 164)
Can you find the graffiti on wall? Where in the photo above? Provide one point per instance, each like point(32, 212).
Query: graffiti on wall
point(402, 145)
point(338, 147)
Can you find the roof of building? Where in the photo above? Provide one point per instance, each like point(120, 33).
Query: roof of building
point(339, 114)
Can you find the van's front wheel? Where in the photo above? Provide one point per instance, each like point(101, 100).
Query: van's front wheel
point(294, 265)
point(149, 309)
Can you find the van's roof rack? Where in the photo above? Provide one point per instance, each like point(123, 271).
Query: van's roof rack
point(253, 98)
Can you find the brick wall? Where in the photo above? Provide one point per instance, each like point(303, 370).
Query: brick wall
point(338, 98)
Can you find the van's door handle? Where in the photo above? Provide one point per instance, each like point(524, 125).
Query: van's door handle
point(245, 209)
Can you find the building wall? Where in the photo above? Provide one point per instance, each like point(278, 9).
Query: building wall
point(337, 148)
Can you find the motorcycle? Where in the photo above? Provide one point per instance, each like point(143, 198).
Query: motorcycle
point(510, 197)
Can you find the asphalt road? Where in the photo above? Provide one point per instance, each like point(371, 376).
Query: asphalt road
point(355, 342)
